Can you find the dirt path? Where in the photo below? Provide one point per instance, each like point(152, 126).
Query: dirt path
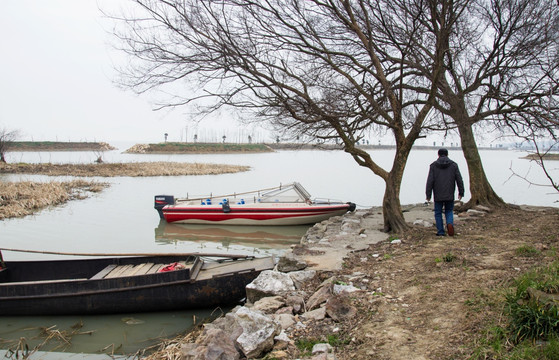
point(426, 297)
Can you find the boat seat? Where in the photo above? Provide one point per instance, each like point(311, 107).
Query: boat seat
point(101, 274)
point(114, 271)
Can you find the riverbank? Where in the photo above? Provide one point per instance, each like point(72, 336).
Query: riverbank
point(197, 148)
point(59, 146)
point(121, 169)
point(23, 198)
point(415, 295)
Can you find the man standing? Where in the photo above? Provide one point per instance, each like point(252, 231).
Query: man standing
point(443, 177)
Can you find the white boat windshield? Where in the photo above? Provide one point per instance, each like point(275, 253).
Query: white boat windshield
point(290, 193)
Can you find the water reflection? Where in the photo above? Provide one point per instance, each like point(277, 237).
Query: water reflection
point(260, 237)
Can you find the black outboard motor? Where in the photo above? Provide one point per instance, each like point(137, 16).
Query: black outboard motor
point(352, 207)
point(161, 201)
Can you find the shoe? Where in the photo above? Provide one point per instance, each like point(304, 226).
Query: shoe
point(450, 229)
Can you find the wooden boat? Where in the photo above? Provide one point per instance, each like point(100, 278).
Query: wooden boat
point(284, 205)
point(125, 284)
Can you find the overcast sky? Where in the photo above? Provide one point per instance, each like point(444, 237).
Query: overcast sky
point(57, 81)
point(57, 78)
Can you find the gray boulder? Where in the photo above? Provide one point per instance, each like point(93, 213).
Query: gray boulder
point(290, 263)
point(213, 344)
point(301, 277)
point(269, 283)
point(269, 305)
point(258, 332)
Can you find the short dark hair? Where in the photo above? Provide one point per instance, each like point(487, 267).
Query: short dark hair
point(443, 152)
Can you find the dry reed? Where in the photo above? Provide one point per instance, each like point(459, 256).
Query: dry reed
point(122, 169)
point(24, 198)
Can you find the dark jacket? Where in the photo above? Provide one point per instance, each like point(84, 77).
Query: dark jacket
point(443, 176)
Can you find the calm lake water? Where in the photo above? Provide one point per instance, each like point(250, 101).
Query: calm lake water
point(121, 219)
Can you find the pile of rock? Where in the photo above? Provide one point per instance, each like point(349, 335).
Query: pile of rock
point(277, 306)
point(138, 149)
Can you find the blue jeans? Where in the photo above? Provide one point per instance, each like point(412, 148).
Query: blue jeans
point(448, 214)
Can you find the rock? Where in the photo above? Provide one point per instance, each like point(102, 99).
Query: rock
point(258, 332)
point(473, 212)
point(213, 344)
point(228, 324)
point(269, 283)
point(338, 289)
point(301, 277)
point(289, 263)
point(279, 355)
point(423, 223)
point(321, 348)
point(285, 310)
point(324, 356)
point(317, 314)
point(483, 208)
point(320, 296)
point(297, 303)
point(339, 308)
point(269, 305)
point(285, 320)
point(282, 337)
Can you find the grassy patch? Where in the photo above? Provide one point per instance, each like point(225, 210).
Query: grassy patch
point(530, 328)
point(527, 251)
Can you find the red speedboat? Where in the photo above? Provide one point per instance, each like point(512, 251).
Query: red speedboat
point(284, 205)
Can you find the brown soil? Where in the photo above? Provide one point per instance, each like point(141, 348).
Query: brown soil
point(429, 297)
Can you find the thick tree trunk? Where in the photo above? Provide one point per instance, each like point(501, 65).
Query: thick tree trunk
point(392, 211)
point(481, 191)
point(391, 208)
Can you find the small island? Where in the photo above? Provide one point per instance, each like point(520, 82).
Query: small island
point(59, 146)
point(197, 148)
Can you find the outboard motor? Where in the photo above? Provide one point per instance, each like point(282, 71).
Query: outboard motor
point(352, 207)
point(161, 201)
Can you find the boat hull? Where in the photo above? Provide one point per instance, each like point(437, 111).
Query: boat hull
point(252, 215)
point(67, 287)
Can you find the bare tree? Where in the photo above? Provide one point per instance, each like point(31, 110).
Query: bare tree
point(498, 70)
point(322, 69)
point(7, 137)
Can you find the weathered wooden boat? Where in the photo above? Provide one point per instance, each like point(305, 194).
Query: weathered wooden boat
point(284, 205)
point(125, 284)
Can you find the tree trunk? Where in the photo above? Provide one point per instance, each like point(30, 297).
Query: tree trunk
point(481, 191)
point(391, 209)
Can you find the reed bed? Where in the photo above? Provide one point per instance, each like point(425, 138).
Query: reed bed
point(24, 198)
point(122, 169)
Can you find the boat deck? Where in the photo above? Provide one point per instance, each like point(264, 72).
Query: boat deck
point(217, 269)
point(114, 271)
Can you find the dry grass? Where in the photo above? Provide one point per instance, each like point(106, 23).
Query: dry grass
point(122, 169)
point(24, 198)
